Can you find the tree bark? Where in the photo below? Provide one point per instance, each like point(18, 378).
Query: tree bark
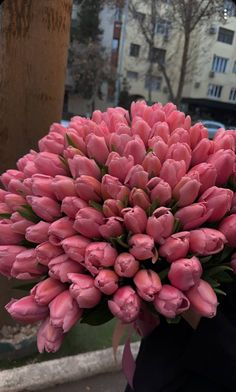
point(34, 38)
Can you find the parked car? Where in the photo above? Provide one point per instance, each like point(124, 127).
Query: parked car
point(212, 127)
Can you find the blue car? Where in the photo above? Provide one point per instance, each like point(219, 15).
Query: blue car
point(212, 127)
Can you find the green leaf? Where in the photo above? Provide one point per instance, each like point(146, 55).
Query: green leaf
point(121, 241)
point(226, 253)
point(125, 201)
point(204, 260)
point(104, 169)
point(27, 212)
point(70, 141)
point(98, 315)
point(211, 281)
point(219, 268)
point(5, 216)
point(28, 244)
point(218, 291)
point(95, 205)
point(149, 150)
point(163, 274)
point(155, 204)
point(175, 320)
point(177, 225)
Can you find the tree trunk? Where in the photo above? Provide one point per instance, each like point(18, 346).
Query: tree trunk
point(34, 38)
point(183, 68)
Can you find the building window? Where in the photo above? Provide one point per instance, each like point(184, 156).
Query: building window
point(229, 8)
point(214, 90)
point(232, 94)
point(219, 64)
point(153, 82)
point(134, 50)
point(163, 27)
point(157, 55)
point(140, 17)
point(132, 75)
point(225, 36)
point(234, 67)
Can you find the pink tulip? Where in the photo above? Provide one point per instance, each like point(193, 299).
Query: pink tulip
point(169, 108)
point(135, 148)
point(8, 255)
point(26, 310)
point(185, 273)
point(233, 204)
point(50, 164)
point(45, 291)
point(22, 188)
point(207, 175)
point(75, 247)
point(170, 301)
point(42, 185)
point(84, 290)
point(206, 242)
point(202, 151)
point(228, 228)
point(225, 141)
point(4, 209)
point(97, 148)
point(61, 266)
point(223, 161)
point(45, 207)
point(175, 120)
point(64, 311)
point(151, 164)
point(179, 135)
point(71, 205)
point(233, 262)
point(136, 177)
point(88, 188)
point(179, 152)
point(160, 191)
point(135, 219)
point(19, 224)
point(138, 197)
point(61, 229)
point(7, 235)
point(126, 265)
point(160, 225)
point(46, 251)
point(186, 190)
point(3, 193)
point(37, 233)
point(118, 142)
point(197, 133)
point(172, 171)
point(218, 200)
point(112, 188)
point(142, 129)
point(138, 108)
point(87, 222)
point(175, 247)
point(9, 175)
point(14, 201)
point(63, 186)
point(22, 162)
point(77, 140)
point(112, 208)
point(161, 129)
point(99, 255)
point(125, 304)
point(53, 142)
point(148, 284)
point(142, 247)
point(203, 299)
point(49, 338)
point(26, 267)
point(106, 281)
point(83, 166)
point(112, 228)
point(193, 216)
point(159, 147)
point(119, 166)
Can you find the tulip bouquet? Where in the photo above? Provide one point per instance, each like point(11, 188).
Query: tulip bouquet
point(118, 214)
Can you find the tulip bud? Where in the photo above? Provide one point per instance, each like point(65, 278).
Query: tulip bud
point(8, 255)
point(126, 265)
point(228, 228)
point(142, 247)
point(172, 171)
point(152, 164)
point(37, 233)
point(136, 149)
point(88, 188)
point(159, 147)
point(53, 142)
point(26, 310)
point(7, 235)
point(185, 273)
point(112, 208)
point(161, 129)
point(87, 222)
point(138, 197)
point(64, 311)
point(160, 191)
point(61, 229)
point(203, 299)
point(207, 175)
point(135, 219)
point(186, 191)
point(142, 129)
point(83, 166)
point(112, 228)
point(9, 175)
point(170, 301)
point(148, 284)
point(202, 151)
point(137, 177)
point(14, 201)
point(118, 142)
point(45, 207)
point(106, 281)
point(179, 152)
point(112, 188)
point(119, 166)
point(179, 135)
point(197, 133)
point(63, 186)
point(97, 148)
point(98, 255)
point(71, 205)
point(49, 338)
point(175, 119)
point(160, 225)
point(46, 251)
point(125, 304)
point(223, 161)
point(206, 242)
point(41, 185)
point(26, 267)
point(84, 290)
point(45, 291)
point(77, 140)
point(19, 224)
point(75, 247)
point(61, 266)
point(175, 247)
point(50, 164)
point(218, 200)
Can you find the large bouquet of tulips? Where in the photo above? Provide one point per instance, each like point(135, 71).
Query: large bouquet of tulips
point(116, 214)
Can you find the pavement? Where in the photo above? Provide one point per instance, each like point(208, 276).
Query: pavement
point(109, 382)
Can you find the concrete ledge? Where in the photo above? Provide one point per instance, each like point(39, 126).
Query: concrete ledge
point(58, 371)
